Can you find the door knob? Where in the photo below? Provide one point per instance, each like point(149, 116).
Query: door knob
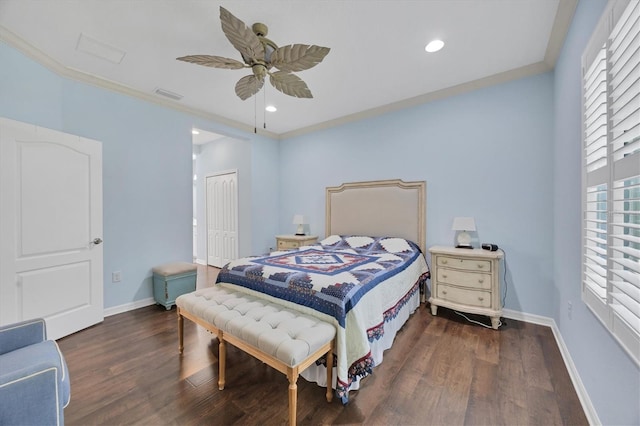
point(97, 241)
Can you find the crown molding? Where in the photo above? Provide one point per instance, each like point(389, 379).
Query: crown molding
point(492, 80)
point(561, 24)
point(56, 67)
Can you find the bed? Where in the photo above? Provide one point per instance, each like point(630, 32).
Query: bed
point(365, 277)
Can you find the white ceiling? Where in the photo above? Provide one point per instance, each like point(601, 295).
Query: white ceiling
point(377, 60)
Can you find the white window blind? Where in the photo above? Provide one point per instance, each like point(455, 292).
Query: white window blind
point(611, 173)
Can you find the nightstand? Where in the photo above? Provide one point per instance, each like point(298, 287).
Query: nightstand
point(466, 280)
point(290, 242)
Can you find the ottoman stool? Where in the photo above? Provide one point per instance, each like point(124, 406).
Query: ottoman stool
point(171, 280)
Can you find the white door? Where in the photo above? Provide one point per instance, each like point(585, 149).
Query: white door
point(50, 227)
point(222, 218)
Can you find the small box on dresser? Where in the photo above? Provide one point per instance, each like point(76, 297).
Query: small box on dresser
point(466, 280)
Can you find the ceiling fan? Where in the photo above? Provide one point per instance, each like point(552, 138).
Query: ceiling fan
point(262, 55)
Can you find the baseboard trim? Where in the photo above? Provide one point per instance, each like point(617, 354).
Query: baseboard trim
point(530, 318)
point(129, 306)
point(583, 396)
point(201, 262)
point(589, 409)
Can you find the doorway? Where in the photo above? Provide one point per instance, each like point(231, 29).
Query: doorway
point(221, 199)
point(51, 224)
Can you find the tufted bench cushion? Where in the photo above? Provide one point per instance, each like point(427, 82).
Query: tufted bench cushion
point(287, 340)
point(285, 334)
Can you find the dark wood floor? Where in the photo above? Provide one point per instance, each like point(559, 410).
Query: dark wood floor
point(441, 371)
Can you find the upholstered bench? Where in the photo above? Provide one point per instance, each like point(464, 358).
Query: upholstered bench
point(286, 340)
point(170, 280)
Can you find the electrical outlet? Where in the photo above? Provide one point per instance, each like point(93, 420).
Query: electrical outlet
point(569, 309)
point(116, 277)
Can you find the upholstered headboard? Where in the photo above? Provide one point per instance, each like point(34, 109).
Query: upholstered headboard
point(378, 208)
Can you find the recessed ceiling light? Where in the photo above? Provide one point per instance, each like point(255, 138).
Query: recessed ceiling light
point(434, 46)
point(271, 108)
point(195, 132)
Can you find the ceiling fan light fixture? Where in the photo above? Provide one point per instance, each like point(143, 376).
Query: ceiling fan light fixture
point(262, 55)
point(271, 108)
point(434, 46)
point(269, 48)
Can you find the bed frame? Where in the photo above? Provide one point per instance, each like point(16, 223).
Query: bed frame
point(378, 208)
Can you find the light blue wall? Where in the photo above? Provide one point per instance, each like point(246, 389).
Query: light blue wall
point(265, 161)
point(147, 168)
point(610, 377)
point(486, 154)
point(28, 90)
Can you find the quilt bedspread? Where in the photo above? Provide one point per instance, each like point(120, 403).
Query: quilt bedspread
point(356, 282)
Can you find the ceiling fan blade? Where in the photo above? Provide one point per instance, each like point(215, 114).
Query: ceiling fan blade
point(213, 61)
point(298, 57)
point(241, 36)
point(290, 84)
point(248, 86)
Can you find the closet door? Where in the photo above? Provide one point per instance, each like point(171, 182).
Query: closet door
point(51, 225)
point(222, 218)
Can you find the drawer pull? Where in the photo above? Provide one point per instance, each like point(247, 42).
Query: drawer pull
point(444, 261)
point(444, 291)
point(444, 275)
point(481, 298)
point(480, 265)
point(481, 280)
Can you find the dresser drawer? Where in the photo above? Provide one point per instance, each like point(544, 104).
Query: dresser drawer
point(466, 264)
point(481, 299)
point(288, 244)
point(292, 242)
point(464, 278)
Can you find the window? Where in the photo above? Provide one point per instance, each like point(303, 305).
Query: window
point(611, 173)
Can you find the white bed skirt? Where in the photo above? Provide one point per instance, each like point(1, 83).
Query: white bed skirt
point(318, 373)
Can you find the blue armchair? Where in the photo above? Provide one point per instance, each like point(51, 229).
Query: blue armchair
point(34, 380)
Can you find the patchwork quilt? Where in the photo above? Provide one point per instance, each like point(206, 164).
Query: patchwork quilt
point(355, 282)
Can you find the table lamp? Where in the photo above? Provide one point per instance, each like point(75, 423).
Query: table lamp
point(298, 219)
point(462, 225)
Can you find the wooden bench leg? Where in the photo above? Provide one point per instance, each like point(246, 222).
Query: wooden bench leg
point(222, 359)
point(180, 332)
point(293, 396)
point(330, 375)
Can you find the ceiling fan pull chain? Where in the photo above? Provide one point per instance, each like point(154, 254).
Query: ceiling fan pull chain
point(255, 115)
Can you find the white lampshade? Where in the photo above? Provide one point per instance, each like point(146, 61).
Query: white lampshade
point(462, 225)
point(298, 219)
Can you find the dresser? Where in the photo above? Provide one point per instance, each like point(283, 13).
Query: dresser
point(466, 280)
point(290, 242)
